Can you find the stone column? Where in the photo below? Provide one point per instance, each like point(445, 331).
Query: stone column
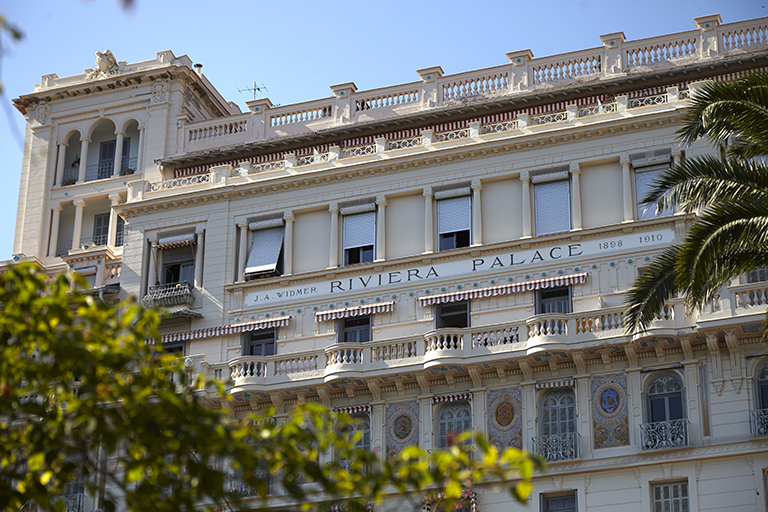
point(677, 159)
point(626, 176)
point(526, 179)
point(381, 228)
point(333, 257)
point(575, 196)
point(84, 141)
point(152, 273)
point(429, 222)
point(78, 227)
point(199, 251)
point(243, 253)
point(117, 167)
point(288, 246)
point(426, 409)
point(60, 163)
point(54, 241)
point(112, 233)
point(477, 213)
point(139, 166)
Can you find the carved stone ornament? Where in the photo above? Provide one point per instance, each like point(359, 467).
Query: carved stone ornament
point(159, 92)
point(106, 65)
point(41, 112)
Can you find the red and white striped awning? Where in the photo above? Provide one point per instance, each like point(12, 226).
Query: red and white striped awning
point(354, 410)
point(479, 293)
point(172, 242)
point(451, 398)
point(367, 309)
point(564, 383)
point(223, 330)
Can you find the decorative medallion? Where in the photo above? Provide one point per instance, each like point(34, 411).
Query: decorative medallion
point(504, 414)
point(402, 427)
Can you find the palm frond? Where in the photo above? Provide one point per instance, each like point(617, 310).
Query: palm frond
point(651, 291)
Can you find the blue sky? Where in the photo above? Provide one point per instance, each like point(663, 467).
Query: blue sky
point(298, 49)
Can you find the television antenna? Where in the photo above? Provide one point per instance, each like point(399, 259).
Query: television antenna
point(256, 88)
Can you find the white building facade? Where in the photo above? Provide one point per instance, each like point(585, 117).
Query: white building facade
point(446, 254)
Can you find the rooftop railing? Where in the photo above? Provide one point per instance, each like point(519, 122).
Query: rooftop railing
point(523, 73)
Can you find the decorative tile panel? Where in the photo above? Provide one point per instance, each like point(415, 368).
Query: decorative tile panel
point(505, 415)
point(402, 427)
point(609, 411)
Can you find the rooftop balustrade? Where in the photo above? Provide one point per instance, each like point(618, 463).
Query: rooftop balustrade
point(523, 73)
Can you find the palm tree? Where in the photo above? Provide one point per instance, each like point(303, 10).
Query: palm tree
point(728, 194)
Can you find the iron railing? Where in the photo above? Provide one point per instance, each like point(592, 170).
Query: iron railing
point(169, 295)
point(664, 434)
point(760, 423)
point(557, 447)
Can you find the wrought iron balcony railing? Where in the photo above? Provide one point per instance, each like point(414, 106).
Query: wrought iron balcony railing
point(169, 295)
point(760, 423)
point(557, 447)
point(664, 434)
point(72, 502)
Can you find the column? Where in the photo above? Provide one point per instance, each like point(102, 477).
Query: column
point(381, 228)
point(78, 227)
point(676, 160)
point(526, 204)
point(139, 165)
point(288, 245)
point(575, 196)
point(626, 177)
point(54, 241)
point(112, 233)
point(152, 273)
point(84, 141)
point(117, 167)
point(429, 228)
point(199, 251)
point(425, 420)
point(59, 178)
point(477, 213)
point(243, 253)
point(583, 401)
point(333, 257)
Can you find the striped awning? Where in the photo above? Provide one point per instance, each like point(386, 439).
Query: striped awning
point(479, 293)
point(223, 330)
point(354, 410)
point(367, 309)
point(171, 242)
point(451, 398)
point(564, 383)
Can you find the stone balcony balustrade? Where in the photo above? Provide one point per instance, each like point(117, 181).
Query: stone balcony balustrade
point(523, 73)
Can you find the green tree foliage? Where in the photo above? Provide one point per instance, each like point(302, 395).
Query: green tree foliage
point(81, 393)
point(729, 197)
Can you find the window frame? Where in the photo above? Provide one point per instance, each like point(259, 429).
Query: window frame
point(558, 394)
point(440, 421)
point(264, 224)
point(546, 498)
point(758, 275)
point(540, 181)
point(259, 338)
point(453, 239)
point(554, 300)
point(440, 314)
point(358, 254)
point(658, 504)
point(650, 397)
point(346, 326)
point(187, 264)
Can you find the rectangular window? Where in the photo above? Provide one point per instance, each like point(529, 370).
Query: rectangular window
point(553, 300)
point(356, 329)
point(100, 228)
point(358, 237)
point(179, 265)
point(671, 497)
point(175, 348)
point(266, 256)
point(552, 201)
point(758, 275)
point(259, 343)
point(452, 315)
point(106, 158)
point(120, 233)
point(453, 222)
point(644, 182)
point(559, 503)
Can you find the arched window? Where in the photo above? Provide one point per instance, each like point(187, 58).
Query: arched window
point(363, 425)
point(558, 413)
point(665, 398)
point(760, 415)
point(762, 387)
point(454, 418)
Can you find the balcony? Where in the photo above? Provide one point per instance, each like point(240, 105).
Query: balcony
point(663, 435)
point(557, 448)
point(759, 423)
point(169, 295)
point(72, 502)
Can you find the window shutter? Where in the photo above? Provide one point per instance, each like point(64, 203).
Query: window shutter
point(644, 181)
point(265, 250)
point(553, 207)
point(453, 214)
point(359, 230)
